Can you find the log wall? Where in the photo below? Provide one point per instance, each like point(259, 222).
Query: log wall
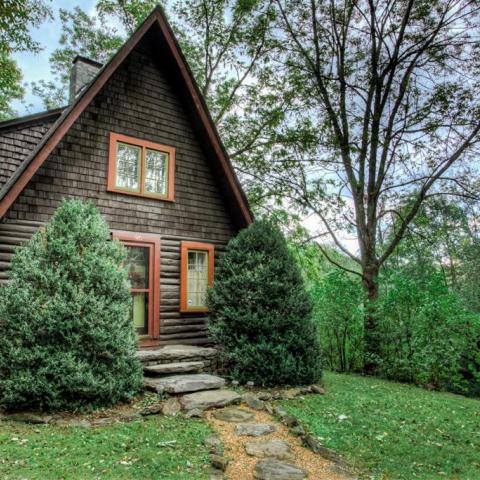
point(175, 327)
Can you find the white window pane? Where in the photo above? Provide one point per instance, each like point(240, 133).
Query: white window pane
point(156, 172)
point(197, 278)
point(128, 166)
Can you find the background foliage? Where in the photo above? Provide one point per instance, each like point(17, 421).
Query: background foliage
point(428, 317)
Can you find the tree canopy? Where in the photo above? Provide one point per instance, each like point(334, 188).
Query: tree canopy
point(16, 17)
point(228, 47)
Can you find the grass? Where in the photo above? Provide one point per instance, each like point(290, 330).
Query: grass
point(387, 430)
point(395, 431)
point(135, 450)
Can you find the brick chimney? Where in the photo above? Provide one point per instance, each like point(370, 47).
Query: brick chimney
point(83, 71)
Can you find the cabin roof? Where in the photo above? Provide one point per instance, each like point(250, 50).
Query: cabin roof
point(58, 121)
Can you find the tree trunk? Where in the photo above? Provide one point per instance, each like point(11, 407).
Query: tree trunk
point(371, 342)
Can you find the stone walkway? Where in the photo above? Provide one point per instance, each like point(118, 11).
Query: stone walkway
point(259, 447)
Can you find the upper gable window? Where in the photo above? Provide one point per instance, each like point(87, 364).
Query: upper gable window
point(139, 167)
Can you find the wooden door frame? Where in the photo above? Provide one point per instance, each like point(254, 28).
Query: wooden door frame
point(153, 243)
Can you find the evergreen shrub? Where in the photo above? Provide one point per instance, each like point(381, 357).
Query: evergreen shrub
point(66, 339)
point(261, 312)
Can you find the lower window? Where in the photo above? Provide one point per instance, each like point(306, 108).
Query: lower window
point(196, 275)
point(142, 264)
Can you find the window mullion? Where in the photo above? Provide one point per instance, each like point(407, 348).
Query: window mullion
point(142, 171)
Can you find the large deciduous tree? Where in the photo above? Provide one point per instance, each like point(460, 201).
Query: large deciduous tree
point(389, 97)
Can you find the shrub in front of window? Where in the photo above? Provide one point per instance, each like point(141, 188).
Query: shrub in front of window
point(66, 337)
point(261, 313)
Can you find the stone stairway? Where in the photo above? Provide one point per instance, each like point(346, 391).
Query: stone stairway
point(186, 371)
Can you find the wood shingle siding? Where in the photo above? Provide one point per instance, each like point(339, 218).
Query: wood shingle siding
point(147, 92)
point(129, 104)
point(17, 141)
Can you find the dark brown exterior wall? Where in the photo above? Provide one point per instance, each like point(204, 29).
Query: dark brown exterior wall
point(139, 101)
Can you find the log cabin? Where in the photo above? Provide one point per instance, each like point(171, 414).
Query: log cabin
point(137, 139)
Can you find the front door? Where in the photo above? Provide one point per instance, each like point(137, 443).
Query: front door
point(142, 264)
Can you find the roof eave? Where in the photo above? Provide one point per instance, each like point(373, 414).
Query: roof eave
point(27, 120)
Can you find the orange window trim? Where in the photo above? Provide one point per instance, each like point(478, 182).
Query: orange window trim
point(143, 144)
point(185, 247)
point(153, 243)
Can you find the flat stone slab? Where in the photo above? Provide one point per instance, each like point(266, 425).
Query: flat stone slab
point(184, 383)
point(175, 353)
point(209, 399)
point(253, 401)
point(273, 470)
point(233, 415)
point(175, 367)
point(31, 418)
point(276, 449)
point(254, 429)
point(214, 444)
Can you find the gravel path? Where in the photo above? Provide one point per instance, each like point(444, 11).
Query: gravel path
point(242, 465)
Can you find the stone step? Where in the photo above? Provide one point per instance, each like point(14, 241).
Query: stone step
point(184, 383)
point(254, 429)
point(176, 353)
point(174, 367)
point(273, 449)
point(209, 399)
point(275, 470)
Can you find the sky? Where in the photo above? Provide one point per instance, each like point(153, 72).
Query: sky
point(35, 66)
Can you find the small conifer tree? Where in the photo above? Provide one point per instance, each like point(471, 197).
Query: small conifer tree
point(261, 313)
point(66, 340)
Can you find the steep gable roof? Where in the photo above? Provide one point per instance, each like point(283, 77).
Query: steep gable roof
point(156, 24)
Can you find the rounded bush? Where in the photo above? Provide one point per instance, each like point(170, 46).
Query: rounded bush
point(66, 339)
point(261, 314)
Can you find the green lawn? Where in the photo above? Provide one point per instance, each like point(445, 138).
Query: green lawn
point(395, 431)
point(135, 450)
